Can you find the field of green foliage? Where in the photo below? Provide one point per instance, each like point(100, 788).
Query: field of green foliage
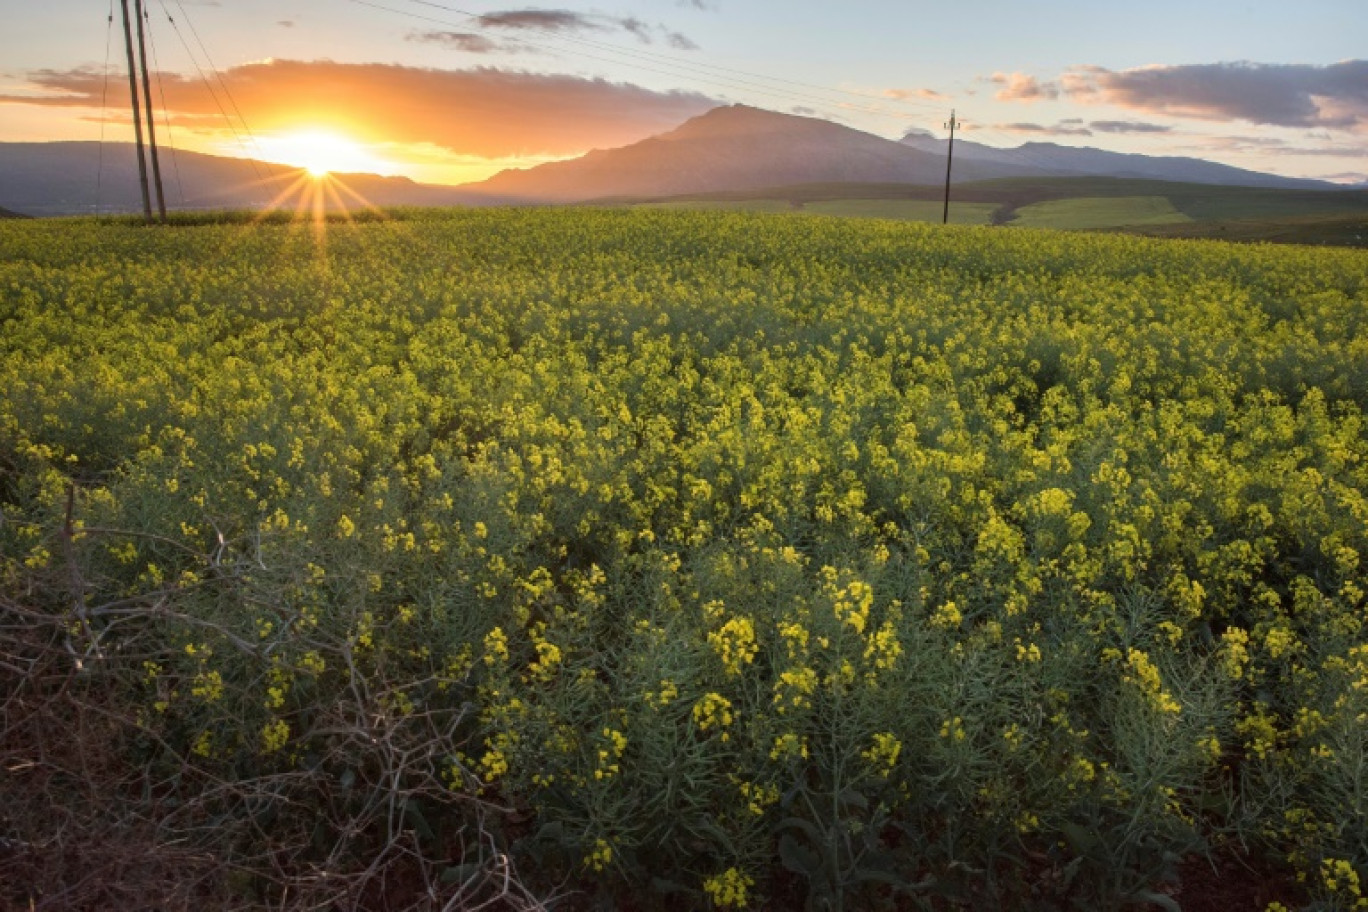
point(708, 559)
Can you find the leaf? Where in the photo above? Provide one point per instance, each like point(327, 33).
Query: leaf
point(663, 885)
point(798, 858)
point(1083, 839)
point(805, 827)
point(413, 814)
point(1162, 900)
point(852, 798)
point(462, 873)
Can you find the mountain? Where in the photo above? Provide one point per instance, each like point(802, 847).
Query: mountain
point(1074, 161)
point(735, 148)
point(6, 214)
point(728, 149)
point(72, 178)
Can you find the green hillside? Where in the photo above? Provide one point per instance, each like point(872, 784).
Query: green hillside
point(1081, 204)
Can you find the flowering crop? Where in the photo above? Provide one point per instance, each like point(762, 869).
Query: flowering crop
point(706, 545)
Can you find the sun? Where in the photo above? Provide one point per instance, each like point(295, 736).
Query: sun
point(320, 153)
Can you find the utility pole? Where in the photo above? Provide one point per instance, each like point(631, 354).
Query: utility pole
point(137, 114)
point(151, 119)
point(949, 157)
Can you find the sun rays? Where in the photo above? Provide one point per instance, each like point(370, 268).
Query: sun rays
point(321, 152)
point(314, 188)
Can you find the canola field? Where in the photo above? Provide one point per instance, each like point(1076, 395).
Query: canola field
point(710, 559)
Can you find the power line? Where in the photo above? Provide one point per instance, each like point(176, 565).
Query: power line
point(151, 116)
point(137, 113)
point(104, 104)
point(166, 118)
point(224, 85)
point(208, 85)
point(695, 65)
point(771, 91)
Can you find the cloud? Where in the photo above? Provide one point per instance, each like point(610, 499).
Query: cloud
point(484, 111)
point(1128, 126)
point(286, 23)
point(1284, 95)
point(905, 94)
point(1021, 87)
point(559, 21)
point(1272, 145)
point(464, 41)
point(542, 21)
point(1060, 129)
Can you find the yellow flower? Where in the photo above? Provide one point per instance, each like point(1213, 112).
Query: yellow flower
point(947, 617)
point(735, 644)
point(794, 687)
point(789, 746)
point(883, 754)
point(601, 856)
point(496, 646)
point(274, 735)
point(1144, 675)
point(729, 889)
point(713, 711)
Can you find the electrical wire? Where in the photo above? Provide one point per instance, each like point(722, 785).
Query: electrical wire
point(104, 104)
point(208, 85)
point(698, 66)
point(219, 75)
point(166, 118)
point(681, 71)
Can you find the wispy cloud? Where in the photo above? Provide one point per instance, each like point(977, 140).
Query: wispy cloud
point(1285, 95)
point(908, 94)
point(1063, 128)
point(484, 111)
point(465, 41)
point(1273, 145)
point(542, 20)
point(1128, 126)
point(561, 21)
point(1023, 87)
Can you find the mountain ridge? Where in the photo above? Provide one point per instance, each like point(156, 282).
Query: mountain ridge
point(732, 148)
point(85, 177)
point(1088, 161)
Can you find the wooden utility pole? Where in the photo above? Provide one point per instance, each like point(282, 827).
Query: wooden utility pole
point(137, 113)
point(949, 157)
point(151, 118)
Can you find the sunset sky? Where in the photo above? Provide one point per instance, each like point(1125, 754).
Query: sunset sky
point(450, 92)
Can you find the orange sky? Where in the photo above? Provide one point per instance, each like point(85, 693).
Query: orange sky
point(415, 118)
point(447, 92)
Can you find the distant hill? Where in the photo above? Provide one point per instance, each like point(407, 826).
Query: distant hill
point(73, 178)
point(5, 213)
point(1074, 161)
point(728, 149)
point(735, 148)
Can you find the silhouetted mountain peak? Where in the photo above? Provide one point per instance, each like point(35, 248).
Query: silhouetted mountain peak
point(744, 120)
